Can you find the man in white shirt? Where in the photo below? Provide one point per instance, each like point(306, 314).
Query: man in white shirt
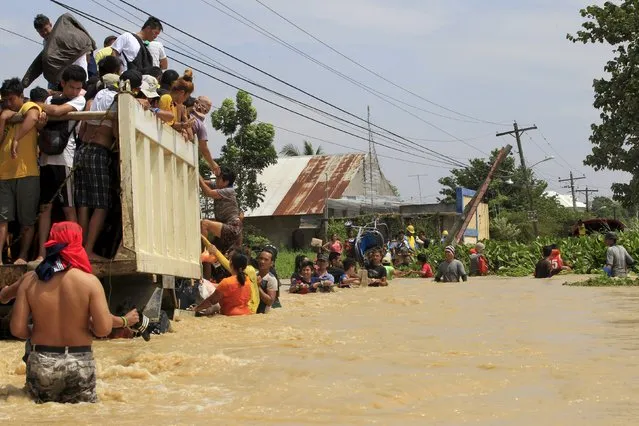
point(158, 54)
point(127, 46)
point(56, 184)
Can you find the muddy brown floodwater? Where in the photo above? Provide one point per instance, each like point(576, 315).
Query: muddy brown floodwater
point(492, 351)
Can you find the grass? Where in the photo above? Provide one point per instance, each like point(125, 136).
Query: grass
point(285, 263)
point(604, 281)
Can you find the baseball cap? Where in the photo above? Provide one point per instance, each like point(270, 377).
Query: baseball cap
point(150, 86)
point(322, 258)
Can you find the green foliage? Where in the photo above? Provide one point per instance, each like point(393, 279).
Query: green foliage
point(605, 281)
point(249, 147)
point(502, 229)
point(616, 138)
point(285, 263)
point(290, 150)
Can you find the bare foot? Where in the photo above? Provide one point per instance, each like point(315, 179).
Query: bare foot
point(20, 262)
point(39, 259)
point(95, 258)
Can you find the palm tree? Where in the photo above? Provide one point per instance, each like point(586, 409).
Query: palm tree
point(290, 150)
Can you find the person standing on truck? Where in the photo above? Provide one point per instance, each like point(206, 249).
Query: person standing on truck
point(19, 174)
point(56, 184)
point(68, 306)
point(93, 161)
point(132, 48)
point(199, 113)
point(227, 227)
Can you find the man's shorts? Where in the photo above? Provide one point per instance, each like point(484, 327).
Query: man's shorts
point(92, 176)
point(65, 378)
point(20, 196)
point(56, 187)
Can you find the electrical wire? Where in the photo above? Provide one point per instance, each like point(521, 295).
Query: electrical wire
point(372, 71)
point(369, 89)
point(266, 33)
point(279, 79)
point(441, 157)
point(21, 36)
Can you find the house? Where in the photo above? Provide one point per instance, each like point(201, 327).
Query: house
point(297, 191)
point(565, 200)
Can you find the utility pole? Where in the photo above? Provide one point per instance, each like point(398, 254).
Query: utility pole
point(587, 191)
point(419, 185)
point(572, 180)
point(517, 132)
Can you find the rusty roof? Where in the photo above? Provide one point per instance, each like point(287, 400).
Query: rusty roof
point(299, 185)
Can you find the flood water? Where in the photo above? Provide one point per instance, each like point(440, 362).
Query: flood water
point(492, 351)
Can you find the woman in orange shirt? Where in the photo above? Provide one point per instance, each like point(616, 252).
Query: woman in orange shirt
point(233, 293)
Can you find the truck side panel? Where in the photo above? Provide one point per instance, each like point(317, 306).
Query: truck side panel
point(160, 202)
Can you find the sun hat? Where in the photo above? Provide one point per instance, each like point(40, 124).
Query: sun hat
point(150, 86)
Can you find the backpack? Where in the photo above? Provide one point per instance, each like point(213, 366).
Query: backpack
point(54, 137)
point(482, 265)
point(142, 60)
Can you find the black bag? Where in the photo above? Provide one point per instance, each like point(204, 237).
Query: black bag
point(142, 60)
point(54, 137)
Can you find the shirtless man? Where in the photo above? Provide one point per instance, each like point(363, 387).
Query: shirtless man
point(92, 161)
point(68, 307)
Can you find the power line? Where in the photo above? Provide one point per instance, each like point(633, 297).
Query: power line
point(266, 33)
point(372, 71)
point(369, 89)
point(441, 157)
point(281, 80)
point(21, 36)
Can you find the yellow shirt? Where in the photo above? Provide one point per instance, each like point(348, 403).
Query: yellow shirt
point(27, 162)
point(166, 104)
point(255, 292)
point(102, 53)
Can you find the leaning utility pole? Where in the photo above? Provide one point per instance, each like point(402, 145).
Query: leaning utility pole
point(517, 132)
point(572, 180)
point(587, 191)
point(459, 228)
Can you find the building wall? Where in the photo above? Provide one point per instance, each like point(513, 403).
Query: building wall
point(479, 225)
point(281, 230)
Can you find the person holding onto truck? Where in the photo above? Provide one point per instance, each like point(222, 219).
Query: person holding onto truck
point(451, 270)
point(56, 183)
point(68, 307)
point(617, 258)
point(269, 286)
point(199, 114)
point(232, 293)
point(227, 227)
point(19, 173)
point(92, 161)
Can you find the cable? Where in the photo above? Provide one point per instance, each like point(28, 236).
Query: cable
point(441, 157)
point(279, 79)
point(557, 152)
point(369, 89)
point(360, 150)
point(21, 36)
point(266, 33)
point(372, 71)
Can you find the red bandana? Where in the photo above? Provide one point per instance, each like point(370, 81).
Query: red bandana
point(70, 233)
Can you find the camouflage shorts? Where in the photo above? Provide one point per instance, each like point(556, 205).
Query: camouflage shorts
point(65, 378)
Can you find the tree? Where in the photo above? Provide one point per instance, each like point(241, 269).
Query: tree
point(394, 190)
point(249, 147)
point(291, 150)
point(507, 190)
point(616, 137)
point(604, 207)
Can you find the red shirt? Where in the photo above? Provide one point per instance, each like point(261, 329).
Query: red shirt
point(427, 271)
point(556, 260)
point(235, 297)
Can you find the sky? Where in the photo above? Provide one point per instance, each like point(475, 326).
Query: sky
point(495, 60)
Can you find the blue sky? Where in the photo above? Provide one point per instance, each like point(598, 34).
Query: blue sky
point(496, 60)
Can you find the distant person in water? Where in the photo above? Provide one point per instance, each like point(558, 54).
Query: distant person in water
point(376, 271)
point(302, 281)
point(617, 258)
point(233, 293)
point(450, 270)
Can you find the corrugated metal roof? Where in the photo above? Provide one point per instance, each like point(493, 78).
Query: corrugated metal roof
point(298, 185)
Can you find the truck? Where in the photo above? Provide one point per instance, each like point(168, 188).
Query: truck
point(152, 234)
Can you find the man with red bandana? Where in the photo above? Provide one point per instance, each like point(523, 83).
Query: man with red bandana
point(68, 307)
